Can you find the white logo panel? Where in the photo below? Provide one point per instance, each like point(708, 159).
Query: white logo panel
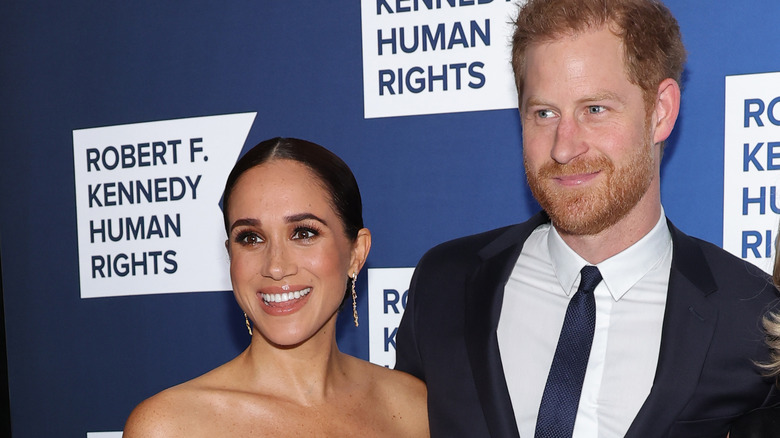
point(751, 171)
point(388, 289)
point(147, 204)
point(428, 57)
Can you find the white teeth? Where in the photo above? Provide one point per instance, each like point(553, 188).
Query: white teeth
point(286, 296)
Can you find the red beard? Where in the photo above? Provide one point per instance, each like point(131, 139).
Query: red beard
point(592, 209)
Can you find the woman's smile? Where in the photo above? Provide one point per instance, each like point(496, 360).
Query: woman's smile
point(284, 303)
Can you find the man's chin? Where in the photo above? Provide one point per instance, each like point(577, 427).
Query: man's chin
point(580, 226)
point(580, 215)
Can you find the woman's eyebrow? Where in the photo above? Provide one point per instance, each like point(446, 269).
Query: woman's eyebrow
point(304, 216)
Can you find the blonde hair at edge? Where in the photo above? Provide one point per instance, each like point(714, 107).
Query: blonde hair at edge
point(772, 327)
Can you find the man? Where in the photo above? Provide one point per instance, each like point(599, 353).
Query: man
point(499, 325)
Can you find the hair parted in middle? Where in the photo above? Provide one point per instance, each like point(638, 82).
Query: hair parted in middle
point(332, 173)
point(652, 42)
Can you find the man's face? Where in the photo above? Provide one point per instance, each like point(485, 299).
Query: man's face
point(587, 138)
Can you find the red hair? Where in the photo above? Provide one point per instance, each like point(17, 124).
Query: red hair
point(652, 42)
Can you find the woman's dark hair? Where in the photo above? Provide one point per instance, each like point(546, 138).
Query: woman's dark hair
point(333, 173)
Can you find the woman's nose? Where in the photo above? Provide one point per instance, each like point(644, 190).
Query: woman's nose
point(278, 263)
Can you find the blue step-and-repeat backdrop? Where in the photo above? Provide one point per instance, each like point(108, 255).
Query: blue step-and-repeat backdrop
point(120, 120)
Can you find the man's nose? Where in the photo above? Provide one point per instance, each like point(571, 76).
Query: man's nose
point(569, 141)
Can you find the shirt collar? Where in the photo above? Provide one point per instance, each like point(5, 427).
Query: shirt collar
point(621, 271)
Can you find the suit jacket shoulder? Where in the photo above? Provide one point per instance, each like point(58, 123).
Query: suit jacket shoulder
point(445, 333)
point(712, 268)
point(471, 250)
point(711, 336)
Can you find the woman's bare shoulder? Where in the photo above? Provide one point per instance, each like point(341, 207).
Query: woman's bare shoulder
point(174, 411)
point(165, 414)
point(403, 396)
point(388, 378)
point(402, 383)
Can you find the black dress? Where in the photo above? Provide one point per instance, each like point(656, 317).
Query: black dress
point(761, 423)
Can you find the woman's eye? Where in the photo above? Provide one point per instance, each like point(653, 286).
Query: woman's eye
point(304, 234)
point(249, 239)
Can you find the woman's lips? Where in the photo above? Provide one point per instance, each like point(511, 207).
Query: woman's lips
point(284, 296)
point(276, 301)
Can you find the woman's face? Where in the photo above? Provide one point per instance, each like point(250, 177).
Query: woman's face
point(289, 256)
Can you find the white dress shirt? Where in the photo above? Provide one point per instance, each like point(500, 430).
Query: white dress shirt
point(630, 303)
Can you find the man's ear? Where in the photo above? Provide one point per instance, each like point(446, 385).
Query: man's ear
point(667, 108)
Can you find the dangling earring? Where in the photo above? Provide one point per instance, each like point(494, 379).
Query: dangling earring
point(248, 326)
point(354, 298)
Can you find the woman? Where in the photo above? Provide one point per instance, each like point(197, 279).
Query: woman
point(296, 242)
point(765, 422)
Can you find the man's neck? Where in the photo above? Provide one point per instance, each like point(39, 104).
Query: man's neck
point(595, 248)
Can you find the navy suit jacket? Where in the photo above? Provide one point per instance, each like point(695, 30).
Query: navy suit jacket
point(705, 377)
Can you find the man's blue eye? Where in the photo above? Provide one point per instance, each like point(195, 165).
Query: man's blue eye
point(544, 114)
point(595, 109)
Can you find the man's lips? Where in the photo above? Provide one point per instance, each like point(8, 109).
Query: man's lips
point(575, 180)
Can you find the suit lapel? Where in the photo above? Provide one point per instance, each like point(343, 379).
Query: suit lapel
point(484, 297)
point(689, 323)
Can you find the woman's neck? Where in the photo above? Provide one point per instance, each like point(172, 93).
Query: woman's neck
point(305, 373)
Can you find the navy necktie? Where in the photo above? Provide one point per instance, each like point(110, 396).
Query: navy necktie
point(564, 383)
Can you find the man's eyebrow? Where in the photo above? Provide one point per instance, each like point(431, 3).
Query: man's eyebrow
point(599, 96)
point(534, 101)
point(602, 95)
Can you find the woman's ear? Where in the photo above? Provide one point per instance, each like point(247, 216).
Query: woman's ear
point(360, 250)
